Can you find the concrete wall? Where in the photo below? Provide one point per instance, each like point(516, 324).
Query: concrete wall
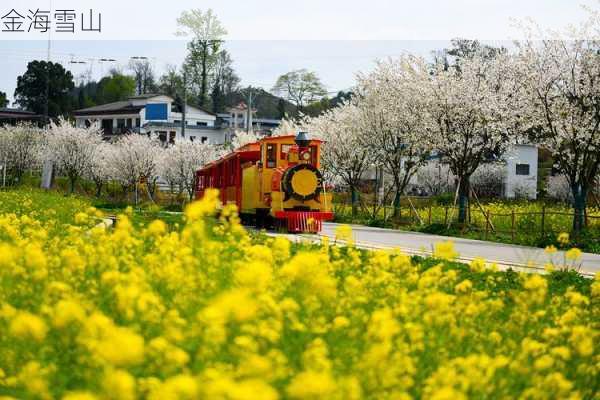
point(518, 183)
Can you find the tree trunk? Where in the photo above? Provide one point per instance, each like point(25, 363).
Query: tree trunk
point(397, 198)
point(579, 204)
point(463, 198)
point(98, 189)
point(354, 199)
point(204, 74)
point(72, 185)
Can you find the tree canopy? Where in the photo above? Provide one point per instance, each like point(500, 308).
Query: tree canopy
point(207, 34)
point(115, 87)
point(300, 87)
point(3, 99)
point(44, 77)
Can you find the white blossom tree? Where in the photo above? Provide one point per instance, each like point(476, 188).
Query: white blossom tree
point(181, 161)
point(488, 179)
point(20, 148)
point(242, 138)
point(72, 149)
point(344, 153)
point(558, 105)
point(100, 170)
point(435, 178)
point(390, 105)
point(286, 127)
point(466, 109)
point(135, 158)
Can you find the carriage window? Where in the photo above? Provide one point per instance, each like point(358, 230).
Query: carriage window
point(285, 149)
point(271, 155)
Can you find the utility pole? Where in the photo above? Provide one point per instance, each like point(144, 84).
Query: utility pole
point(47, 88)
point(249, 98)
point(184, 105)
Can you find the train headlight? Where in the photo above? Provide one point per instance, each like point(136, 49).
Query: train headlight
point(305, 156)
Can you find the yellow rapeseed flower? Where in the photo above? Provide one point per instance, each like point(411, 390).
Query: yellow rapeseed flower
point(119, 385)
point(343, 232)
point(79, 396)
point(445, 250)
point(28, 326)
point(311, 385)
point(563, 238)
point(66, 312)
point(207, 206)
point(573, 254)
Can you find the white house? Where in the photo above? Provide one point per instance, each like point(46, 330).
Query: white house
point(240, 118)
point(520, 164)
point(521, 171)
point(154, 115)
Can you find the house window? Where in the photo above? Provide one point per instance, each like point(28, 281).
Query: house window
point(199, 123)
point(162, 136)
point(172, 135)
point(120, 124)
point(271, 155)
point(177, 121)
point(137, 122)
point(129, 123)
point(203, 139)
point(522, 169)
point(107, 126)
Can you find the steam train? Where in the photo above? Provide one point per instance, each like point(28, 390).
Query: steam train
point(275, 181)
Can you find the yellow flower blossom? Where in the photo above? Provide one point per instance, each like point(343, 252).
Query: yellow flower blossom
point(119, 385)
point(28, 326)
point(207, 310)
point(311, 385)
point(563, 238)
point(80, 396)
point(445, 250)
point(343, 232)
point(67, 312)
point(573, 254)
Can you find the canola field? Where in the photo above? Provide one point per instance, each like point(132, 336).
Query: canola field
point(208, 312)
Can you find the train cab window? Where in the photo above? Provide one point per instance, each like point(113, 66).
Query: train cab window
point(271, 155)
point(285, 150)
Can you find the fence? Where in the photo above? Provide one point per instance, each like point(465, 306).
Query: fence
point(499, 220)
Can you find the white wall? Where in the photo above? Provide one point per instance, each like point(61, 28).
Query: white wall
point(212, 137)
point(194, 115)
point(521, 154)
point(80, 120)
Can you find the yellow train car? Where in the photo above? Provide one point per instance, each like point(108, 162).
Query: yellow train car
point(275, 181)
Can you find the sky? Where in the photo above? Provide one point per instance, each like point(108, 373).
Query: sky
point(266, 38)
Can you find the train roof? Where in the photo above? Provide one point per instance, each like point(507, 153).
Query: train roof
point(250, 151)
point(283, 138)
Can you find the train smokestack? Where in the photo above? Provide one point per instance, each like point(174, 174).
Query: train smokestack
point(302, 139)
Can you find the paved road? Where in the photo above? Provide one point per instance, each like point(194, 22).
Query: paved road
point(522, 257)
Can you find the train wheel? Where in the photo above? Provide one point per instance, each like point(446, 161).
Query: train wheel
point(263, 219)
point(247, 219)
